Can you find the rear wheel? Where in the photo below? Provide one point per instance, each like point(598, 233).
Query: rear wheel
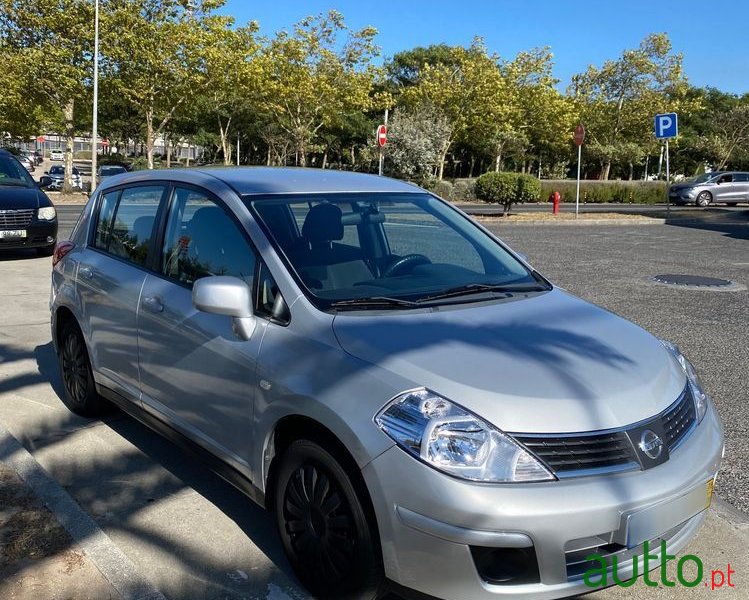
point(79, 391)
point(704, 199)
point(323, 526)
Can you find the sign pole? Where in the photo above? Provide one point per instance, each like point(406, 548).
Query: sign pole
point(577, 191)
point(668, 182)
point(382, 151)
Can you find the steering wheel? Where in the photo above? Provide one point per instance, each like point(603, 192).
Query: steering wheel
point(404, 264)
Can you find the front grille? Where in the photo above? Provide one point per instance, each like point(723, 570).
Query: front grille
point(16, 219)
point(581, 452)
point(679, 419)
point(578, 454)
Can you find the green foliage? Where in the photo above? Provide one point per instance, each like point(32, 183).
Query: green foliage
point(497, 188)
point(442, 188)
point(596, 192)
point(507, 188)
point(528, 188)
point(463, 191)
point(82, 154)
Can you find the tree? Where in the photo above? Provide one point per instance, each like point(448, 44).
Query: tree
point(469, 92)
point(231, 78)
point(157, 56)
point(46, 47)
point(618, 101)
point(312, 78)
point(415, 140)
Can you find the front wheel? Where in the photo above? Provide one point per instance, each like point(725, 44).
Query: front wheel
point(323, 526)
point(704, 199)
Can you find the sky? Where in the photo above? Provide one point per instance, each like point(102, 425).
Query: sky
point(715, 45)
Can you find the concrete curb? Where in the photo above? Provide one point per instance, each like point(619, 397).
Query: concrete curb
point(113, 564)
point(575, 222)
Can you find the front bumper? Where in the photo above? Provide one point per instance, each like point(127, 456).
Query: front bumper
point(429, 522)
point(38, 234)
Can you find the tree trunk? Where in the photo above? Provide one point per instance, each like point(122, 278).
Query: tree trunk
point(67, 112)
point(168, 146)
point(443, 157)
point(473, 164)
point(498, 161)
point(325, 159)
point(189, 149)
point(353, 157)
point(631, 170)
point(225, 143)
point(606, 170)
point(149, 137)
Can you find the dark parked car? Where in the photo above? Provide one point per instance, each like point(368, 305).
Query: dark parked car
point(27, 217)
point(110, 171)
point(726, 187)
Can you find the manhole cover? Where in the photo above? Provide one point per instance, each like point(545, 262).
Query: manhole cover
point(693, 280)
point(698, 282)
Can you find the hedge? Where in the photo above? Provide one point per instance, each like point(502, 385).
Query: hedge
point(596, 192)
point(507, 188)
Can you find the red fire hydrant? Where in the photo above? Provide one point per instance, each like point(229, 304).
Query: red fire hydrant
point(554, 197)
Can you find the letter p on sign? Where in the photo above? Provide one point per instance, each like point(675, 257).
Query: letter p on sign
point(666, 126)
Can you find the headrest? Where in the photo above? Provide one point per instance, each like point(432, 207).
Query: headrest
point(323, 223)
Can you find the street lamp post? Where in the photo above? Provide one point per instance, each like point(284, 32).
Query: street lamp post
point(95, 124)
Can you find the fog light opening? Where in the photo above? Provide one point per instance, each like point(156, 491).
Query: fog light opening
point(506, 566)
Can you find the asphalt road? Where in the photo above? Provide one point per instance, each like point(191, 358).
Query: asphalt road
point(195, 537)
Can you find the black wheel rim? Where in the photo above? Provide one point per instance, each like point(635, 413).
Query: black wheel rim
point(319, 524)
point(75, 368)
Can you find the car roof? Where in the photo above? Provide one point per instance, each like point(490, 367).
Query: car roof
point(272, 180)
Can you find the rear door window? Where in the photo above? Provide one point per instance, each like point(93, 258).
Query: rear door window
point(129, 234)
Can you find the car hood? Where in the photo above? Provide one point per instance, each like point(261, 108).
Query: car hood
point(17, 197)
point(547, 363)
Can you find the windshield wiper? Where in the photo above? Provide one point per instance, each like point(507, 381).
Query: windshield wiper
point(477, 288)
point(373, 302)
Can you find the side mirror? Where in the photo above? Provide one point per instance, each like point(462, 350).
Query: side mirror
point(230, 296)
point(45, 181)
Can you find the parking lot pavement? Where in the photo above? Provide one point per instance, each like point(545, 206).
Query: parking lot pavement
point(193, 536)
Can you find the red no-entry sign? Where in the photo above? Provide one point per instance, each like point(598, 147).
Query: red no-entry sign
point(382, 135)
point(579, 134)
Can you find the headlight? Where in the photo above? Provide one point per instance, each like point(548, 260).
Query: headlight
point(695, 385)
point(454, 441)
point(47, 213)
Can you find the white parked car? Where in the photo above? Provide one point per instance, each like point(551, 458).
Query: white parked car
point(57, 155)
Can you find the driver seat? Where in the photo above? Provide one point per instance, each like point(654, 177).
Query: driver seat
point(325, 263)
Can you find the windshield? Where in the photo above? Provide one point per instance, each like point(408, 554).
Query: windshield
point(14, 173)
point(705, 177)
point(115, 170)
point(409, 247)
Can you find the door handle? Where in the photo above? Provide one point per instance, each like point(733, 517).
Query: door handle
point(86, 272)
point(153, 304)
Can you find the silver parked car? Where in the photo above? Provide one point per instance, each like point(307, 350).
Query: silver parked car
point(719, 187)
point(417, 406)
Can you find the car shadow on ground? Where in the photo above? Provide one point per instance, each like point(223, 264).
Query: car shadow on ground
point(733, 224)
point(153, 470)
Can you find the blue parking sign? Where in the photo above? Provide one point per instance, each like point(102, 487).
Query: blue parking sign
point(666, 126)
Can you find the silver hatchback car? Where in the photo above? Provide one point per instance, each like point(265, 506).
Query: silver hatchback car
point(418, 407)
point(719, 187)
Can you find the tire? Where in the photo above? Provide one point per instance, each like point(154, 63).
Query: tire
point(323, 526)
point(704, 199)
point(79, 391)
point(46, 251)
